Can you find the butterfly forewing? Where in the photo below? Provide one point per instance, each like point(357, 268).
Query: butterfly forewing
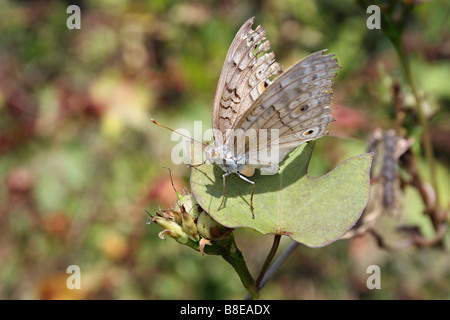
point(245, 74)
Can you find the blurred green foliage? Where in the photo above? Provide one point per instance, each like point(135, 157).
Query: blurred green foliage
point(80, 161)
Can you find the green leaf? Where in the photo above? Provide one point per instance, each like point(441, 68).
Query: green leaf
point(313, 211)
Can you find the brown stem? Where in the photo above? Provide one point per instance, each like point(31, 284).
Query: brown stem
point(269, 258)
point(427, 144)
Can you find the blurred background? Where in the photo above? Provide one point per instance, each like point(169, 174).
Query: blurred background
point(80, 161)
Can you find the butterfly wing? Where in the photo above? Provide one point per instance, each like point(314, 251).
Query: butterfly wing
point(245, 74)
point(297, 104)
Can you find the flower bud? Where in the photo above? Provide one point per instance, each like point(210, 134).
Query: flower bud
point(189, 204)
point(210, 229)
point(188, 224)
point(172, 229)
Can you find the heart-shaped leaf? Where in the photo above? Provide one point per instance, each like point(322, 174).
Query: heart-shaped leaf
point(312, 211)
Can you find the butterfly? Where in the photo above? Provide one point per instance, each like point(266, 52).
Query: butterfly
point(254, 97)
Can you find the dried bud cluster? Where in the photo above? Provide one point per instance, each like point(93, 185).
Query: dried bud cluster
point(189, 224)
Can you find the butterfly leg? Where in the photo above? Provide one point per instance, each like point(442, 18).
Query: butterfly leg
point(196, 165)
point(253, 191)
point(224, 189)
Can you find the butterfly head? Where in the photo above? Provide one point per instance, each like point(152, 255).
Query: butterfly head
point(225, 160)
point(214, 155)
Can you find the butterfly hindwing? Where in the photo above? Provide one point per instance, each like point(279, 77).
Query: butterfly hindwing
point(297, 103)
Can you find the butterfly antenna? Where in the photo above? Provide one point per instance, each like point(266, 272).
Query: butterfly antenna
point(173, 186)
point(149, 214)
point(161, 125)
point(149, 218)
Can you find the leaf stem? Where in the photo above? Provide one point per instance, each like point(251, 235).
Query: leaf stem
point(269, 258)
point(276, 265)
point(264, 268)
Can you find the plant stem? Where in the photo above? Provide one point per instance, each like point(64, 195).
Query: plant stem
point(234, 256)
point(393, 29)
point(428, 147)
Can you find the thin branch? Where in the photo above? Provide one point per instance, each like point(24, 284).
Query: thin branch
point(276, 265)
point(427, 144)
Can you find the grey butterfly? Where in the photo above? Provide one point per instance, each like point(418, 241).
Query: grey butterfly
point(296, 102)
point(254, 95)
